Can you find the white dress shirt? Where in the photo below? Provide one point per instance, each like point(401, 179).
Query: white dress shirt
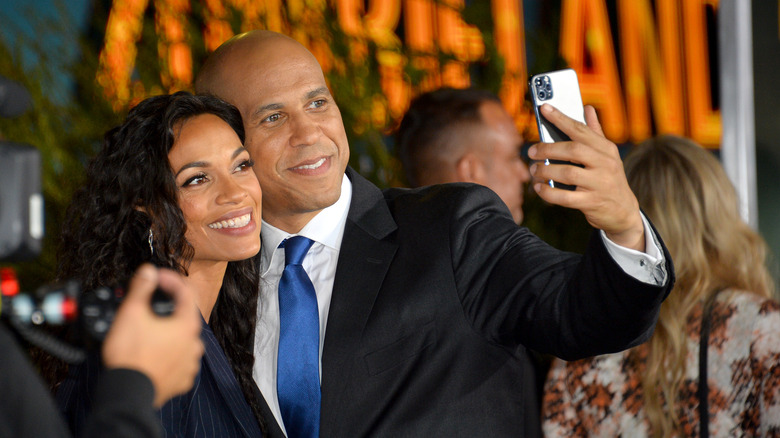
point(326, 229)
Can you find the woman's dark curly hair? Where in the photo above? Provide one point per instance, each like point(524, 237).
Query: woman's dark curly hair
point(130, 190)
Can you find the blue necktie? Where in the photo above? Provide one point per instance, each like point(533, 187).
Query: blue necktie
point(297, 369)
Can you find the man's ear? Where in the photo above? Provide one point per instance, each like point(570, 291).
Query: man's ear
point(470, 168)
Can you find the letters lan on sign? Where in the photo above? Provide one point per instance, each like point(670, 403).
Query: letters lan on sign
point(661, 86)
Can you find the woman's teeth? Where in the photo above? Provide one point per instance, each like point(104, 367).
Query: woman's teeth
point(236, 222)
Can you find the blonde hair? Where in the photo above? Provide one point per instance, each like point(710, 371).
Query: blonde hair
point(685, 192)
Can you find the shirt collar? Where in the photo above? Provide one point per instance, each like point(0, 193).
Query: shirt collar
point(326, 228)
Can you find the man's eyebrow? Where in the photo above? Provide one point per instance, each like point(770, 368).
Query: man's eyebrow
point(275, 106)
point(317, 92)
point(269, 107)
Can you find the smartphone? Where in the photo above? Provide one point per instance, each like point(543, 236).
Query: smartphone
point(560, 89)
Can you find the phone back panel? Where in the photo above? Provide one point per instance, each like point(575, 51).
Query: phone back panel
point(562, 90)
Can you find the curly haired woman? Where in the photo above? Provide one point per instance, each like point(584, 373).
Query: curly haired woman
point(174, 186)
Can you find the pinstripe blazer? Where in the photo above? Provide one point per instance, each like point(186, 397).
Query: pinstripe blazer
point(214, 407)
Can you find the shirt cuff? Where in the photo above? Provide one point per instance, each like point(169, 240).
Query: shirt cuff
point(649, 266)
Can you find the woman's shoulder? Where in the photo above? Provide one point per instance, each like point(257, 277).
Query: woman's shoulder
point(741, 315)
point(745, 347)
point(748, 298)
point(746, 306)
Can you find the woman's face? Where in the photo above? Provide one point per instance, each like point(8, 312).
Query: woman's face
point(218, 191)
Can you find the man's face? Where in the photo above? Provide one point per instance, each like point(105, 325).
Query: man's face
point(294, 130)
point(506, 173)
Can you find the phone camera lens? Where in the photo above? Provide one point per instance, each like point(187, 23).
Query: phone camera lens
point(542, 94)
point(538, 82)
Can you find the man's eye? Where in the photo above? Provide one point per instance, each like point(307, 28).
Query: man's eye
point(272, 118)
point(318, 103)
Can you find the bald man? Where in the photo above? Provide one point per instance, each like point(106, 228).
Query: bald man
point(423, 296)
point(463, 135)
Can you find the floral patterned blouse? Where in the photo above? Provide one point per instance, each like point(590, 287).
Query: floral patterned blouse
point(602, 396)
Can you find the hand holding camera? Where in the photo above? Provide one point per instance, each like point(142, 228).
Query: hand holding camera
point(165, 348)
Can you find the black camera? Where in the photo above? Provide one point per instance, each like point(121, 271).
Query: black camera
point(67, 303)
point(91, 313)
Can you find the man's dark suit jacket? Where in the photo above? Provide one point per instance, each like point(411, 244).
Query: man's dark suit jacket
point(214, 407)
point(435, 289)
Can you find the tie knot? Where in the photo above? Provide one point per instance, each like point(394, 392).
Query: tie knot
point(295, 249)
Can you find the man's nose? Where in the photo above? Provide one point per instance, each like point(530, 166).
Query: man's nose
point(305, 131)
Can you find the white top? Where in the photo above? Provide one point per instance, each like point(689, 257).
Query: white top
point(326, 229)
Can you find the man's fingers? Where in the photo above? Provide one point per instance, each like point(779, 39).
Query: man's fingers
point(566, 198)
point(562, 173)
point(563, 122)
point(576, 130)
point(592, 119)
point(142, 284)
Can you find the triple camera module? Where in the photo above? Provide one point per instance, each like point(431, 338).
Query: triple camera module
point(543, 88)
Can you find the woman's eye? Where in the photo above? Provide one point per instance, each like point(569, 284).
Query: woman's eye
point(245, 165)
point(195, 180)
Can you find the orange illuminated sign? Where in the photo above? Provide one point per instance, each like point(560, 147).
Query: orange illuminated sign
point(662, 84)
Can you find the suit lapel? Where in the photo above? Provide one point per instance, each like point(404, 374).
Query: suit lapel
point(220, 369)
point(364, 259)
point(272, 428)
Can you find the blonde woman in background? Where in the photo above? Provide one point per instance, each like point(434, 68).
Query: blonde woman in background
point(653, 389)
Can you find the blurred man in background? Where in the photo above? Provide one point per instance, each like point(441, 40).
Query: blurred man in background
point(463, 135)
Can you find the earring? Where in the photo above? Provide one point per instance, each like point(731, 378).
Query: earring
point(151, 241)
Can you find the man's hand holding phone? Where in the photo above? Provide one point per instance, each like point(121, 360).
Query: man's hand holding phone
point(602, 193)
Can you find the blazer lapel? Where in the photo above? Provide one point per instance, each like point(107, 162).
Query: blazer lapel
point(364, 259)
point(272, 428)
point(228, 385)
